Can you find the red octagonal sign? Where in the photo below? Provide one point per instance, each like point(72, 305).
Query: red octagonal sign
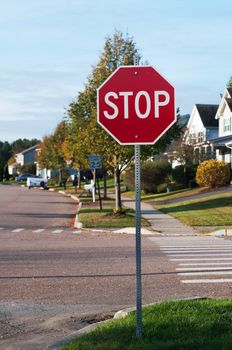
point(136, 105)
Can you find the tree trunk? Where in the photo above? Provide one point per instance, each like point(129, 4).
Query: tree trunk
point(79, 178)
point(105, 183)
point(118, 201)
point(60, 176)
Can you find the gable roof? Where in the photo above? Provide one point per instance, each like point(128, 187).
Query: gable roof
point(229, 102)
point(226, 98)
point(28, 149)
point(230, 91)
point(207, 114)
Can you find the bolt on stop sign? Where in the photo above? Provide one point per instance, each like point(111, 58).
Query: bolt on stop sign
point(136, 105)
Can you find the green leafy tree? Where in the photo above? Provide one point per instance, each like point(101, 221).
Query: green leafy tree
point(21, 144)
point(2, 163)
point(28, 168)
point(51, 154)
point(5, 154)
point(86, 136)
point(229, 84)
point(6, 172)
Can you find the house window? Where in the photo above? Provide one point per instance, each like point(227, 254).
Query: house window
point(192, 138)
point(227, 124)
point(200, 137)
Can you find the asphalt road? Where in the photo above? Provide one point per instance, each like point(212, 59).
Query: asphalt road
point(20, 207)
point(53, 282)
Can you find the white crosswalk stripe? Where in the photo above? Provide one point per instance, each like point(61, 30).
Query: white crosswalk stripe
point(37, 230)
point(206, 264)
point(202, 259)
point(213, 280)
point(199, 257)
point(204, 268)
point(199, 254)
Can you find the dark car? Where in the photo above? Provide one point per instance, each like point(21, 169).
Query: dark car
point(23, 177)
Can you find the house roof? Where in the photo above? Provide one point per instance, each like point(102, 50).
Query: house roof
point(229, 102)
point(207, 114)
point(230, 91)
point(28, 149)
point(222, 141)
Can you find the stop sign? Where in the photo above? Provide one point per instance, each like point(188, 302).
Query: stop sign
point(136, 105)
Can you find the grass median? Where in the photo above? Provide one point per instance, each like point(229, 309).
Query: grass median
point(92, 217)
point(179, 325)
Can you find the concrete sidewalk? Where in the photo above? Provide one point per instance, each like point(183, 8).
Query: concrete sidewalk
point(160, 222)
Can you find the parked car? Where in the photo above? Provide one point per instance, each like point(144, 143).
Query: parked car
point(23, 177)
point(37, 181)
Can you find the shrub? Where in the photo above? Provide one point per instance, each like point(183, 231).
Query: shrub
point(28, 168)
point(153, 174)
point(162, 188)
point(213, 173)
point(129, 179)
point(184, 174)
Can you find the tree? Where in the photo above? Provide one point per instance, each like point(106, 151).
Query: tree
point(1, 168)
point(51, 155)
point(6, 172)
point(229, 84)
point(86, 136)
point(20, 144)
point(5, 154)
point(28, 168)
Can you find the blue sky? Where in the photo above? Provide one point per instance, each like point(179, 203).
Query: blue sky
point(48, 49)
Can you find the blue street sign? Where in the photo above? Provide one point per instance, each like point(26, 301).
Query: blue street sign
point(95, 161)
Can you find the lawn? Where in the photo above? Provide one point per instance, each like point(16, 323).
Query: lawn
point(210, 211)
point(180, 325)
point(160, 197)
point(91, 215)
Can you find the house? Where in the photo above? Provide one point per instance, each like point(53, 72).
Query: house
point(223, 143)
point(171, 153)
point(201, 128)
point(27, 156)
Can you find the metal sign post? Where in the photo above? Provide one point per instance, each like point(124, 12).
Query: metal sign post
point(95, 163)
point(138, 241)
point(136, 106)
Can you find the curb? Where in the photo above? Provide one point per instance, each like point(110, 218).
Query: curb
point(64, 341)
point(77, 223)
point(119, 314)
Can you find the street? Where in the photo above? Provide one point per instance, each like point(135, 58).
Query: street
point(56, 279)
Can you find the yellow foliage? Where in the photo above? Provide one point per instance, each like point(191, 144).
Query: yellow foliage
point(213, 173)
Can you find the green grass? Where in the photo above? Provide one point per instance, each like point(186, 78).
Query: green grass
point(180, 325)
point(109, 181)
point(166, 196)
point(210, 211)
point(91, 215)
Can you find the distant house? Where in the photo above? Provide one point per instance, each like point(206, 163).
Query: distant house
point(171, 152)
point(25, 157)
point(223, 143)
point(201, 128)
point(53, 173)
